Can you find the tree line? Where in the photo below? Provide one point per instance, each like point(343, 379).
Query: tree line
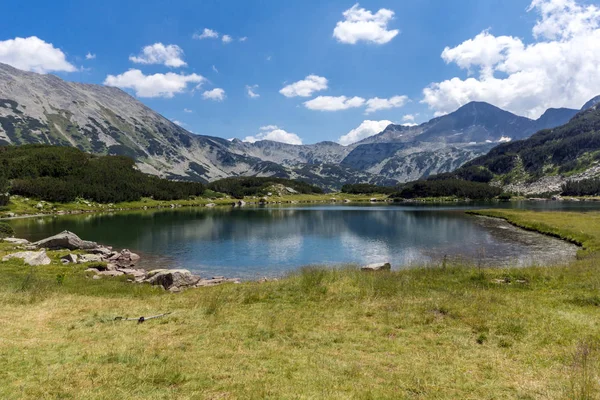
point(241, 186)
point(63, 174)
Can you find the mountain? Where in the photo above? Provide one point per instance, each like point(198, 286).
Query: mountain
point(37, 108)
point(546, 160)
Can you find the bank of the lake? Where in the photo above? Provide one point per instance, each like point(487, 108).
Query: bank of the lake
point(442, 332)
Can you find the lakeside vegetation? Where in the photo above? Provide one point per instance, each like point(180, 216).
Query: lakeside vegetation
point(444, 331)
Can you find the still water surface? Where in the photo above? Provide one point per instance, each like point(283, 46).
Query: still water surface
point(269, 241)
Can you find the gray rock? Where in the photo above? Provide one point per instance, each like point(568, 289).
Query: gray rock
point(30, 257)
point(16, 241)
point(173, 278)
point(110, 273)
point(96, 277)
point(65, 240)
point(210, 205)
point(94, 270)
point(377, 267)
point(102, 250)
point(124, 259)
point(69, 258)
point(86, 258)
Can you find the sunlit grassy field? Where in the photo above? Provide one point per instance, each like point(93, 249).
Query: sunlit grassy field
point(437, 332)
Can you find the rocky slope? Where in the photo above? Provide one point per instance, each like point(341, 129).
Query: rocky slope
point(546, 160)
point(38, 108)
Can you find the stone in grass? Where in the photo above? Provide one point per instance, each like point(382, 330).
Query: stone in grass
point(32, 258)
point(87, 258)
point(69, 259)
point(16, 241)
point(377, 267)
point(172, 279)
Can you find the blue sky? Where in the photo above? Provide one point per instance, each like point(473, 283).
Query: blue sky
point(497, 52)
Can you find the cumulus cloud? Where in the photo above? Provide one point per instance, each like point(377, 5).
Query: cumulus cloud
point(176, 122)
point(409, 120)
point(187, 110)
point(157, 85)
point(559, 69)
point(305, 87)
point(206, 34)
point(251, 91)
point(216, 94)
point(272, 132)
point(332, 103)
point(243, 39)
point(170, 55)
point(90, 56)
point(33, 54)
point(227, 39)
point(360, 24)
point(376, 103)
point(364, 130)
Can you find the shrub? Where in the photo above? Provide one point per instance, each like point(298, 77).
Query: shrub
point(6, 230)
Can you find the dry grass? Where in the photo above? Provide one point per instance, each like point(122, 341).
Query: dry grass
point(427, 333)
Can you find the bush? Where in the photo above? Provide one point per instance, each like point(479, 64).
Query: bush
point(6, 230)
point(586, 187)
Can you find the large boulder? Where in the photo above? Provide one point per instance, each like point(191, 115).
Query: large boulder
point(377, 267)
point(33, 258)
point(87, 258)
point(172, 279)
point(124, 259)
point(65, 240)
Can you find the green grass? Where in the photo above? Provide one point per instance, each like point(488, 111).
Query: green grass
point(25, 206)
point(442, 332)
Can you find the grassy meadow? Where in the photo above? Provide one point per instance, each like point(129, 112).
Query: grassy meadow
point(437, 332)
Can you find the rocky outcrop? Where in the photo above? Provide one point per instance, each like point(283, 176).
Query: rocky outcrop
point(65, 240)
point(33, 258)
point(16, 241)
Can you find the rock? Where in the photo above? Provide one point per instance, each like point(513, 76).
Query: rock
point(136, 273)
point(65, 240)
point(69, 258)
point(86, 258)
point(210, 205)
point(102, 250)
point(39, 206)
point(377, 267)
point(94, 270)
point(173, 278)
point(373, 200)
point(16, 241)
point(110, 273)
point(215, 281)
point(241, 203)
point(10, 215)
point(125, 259)
point(290, 190)
point(346, 200)
point(263, 200)
point(30, 257)
point(96, 277)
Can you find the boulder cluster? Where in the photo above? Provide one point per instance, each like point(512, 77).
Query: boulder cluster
point(107, 262)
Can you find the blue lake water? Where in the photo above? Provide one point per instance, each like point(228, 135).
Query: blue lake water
point(253, 242)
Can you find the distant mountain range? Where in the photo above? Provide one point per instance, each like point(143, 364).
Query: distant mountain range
point(38, 108)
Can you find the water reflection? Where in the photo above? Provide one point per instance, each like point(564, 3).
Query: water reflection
point(253, 242)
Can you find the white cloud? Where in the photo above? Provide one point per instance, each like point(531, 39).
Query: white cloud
point(187, 110)
point(305, 87)
point(504, 139)
point(272, 132)
point(170, 55)
point(376, 103)
point(206, 34)
point(331, 103)
point(90, 56)
point(227, 39)
point(33, 54)
point(217, 94)
point(157, 85)
point(215, 69)
point(559, 69)
point(409, 120)
point(251, 91)
point(364, 130)
point(360, 24)
point(178, 122)
point(243, 39)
